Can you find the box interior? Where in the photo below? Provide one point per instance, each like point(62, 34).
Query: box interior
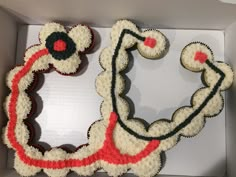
point(162, 14)
point(66, 102)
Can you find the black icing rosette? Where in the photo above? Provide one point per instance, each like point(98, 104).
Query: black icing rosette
point(60, 45)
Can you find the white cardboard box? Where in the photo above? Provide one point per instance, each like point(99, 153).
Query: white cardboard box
point(211, 153)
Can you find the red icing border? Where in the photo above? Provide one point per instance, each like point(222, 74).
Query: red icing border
point(108, 152)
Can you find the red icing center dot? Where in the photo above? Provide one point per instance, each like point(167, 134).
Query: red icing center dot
point(59, 45)
point(200, 56)
point(150, 42)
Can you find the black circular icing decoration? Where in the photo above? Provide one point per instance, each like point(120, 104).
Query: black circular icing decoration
point(64, 54)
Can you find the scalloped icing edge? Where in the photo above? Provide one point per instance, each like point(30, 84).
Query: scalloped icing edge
point(42, 63)
point(158, 127)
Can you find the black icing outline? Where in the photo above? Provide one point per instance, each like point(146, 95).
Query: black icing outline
point(187, 120)
point(60, 55)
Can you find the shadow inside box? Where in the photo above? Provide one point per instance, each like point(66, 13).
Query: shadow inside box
point(218, 169)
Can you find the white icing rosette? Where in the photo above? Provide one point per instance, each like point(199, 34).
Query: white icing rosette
point(24, 169)
point(56, 154)
point(24, 82)
point(85, 152)
point(105, 59)
point(118, 28)
point(149, 166)
point(155, 45)
point(210, 77)
point(193, 56)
